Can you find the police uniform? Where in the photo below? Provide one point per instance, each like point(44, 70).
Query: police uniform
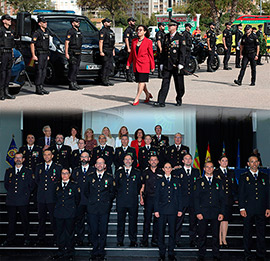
point(149, 180)
point(173, 54)
point(160, 143)
point(254, 198)
point(19, 184)
point(168, 203)
point(6, 44)
point(67, 198)
point(99, 192)
point(76, 157)
point(188, 38)
point(262, 41)
point(127, 187)
point(175, 154)
point(144, 156)
point(187, 179)
point(45, 179)
point(227, 34)
point(120, 154)
point(212, 37)
point(209, 201)
point(160, 35)
point(238, 37)
point(61, 156)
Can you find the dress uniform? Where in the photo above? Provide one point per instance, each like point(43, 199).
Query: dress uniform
point(254, 198)
point(67, 198)
point(187, 179)
point(209, 201)
point(106, 34)
point(32, 156)
point(227, 34)
point(121, 152)
point(149, 180)
point(6, 44)
point(106, 152)
point(99, 192)
point(62, 155)
point(175, 153)
point(188, 38)
point(19, 184)
point(127, 185)
point(160, 142)
point(76, 156)
point(238, 37)
point(46, 175)
point(144, 155)
point(167, 203)
point(160, 35)
point(211, 35)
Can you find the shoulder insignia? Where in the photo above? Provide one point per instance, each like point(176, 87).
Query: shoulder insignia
point(202, 184)
point(181, 176)
point(93, 180)
point(147, 177)
point(218, 176)
point(79, 190)
point(57, 188)
point(68, 36)
point(159, 175)
point(247, 178)
point(162, 184)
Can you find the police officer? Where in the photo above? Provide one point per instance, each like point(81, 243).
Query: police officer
point(160, 35)
point(18, 183)
point(127, 185)
point(227, 42)
point(129, 34)
point(106, 51)
point(254, 204)
point(6, 54)
point(249, 52)
point(67, 198)
point(46, 175)
point(209, 208)
point(167, 206)
point(150, 177)
point(40, 54)
point(73, 46)
point(262, 41)
point(172, 61)
point(100, 194)
point(187, 177)
point(238, 37)
point(76, 154)
point(211, 43)
point(188, 39)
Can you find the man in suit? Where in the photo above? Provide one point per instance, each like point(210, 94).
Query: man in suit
point(76, 154)
point(61, 153)
point(18, 183)
point(99, 192)
point(127, 185)
point(122, 151)
point(175, 153)
point(46, 175)
point(254, 206)
point(209, 207)
point(103, 151)
point(188, 177)
point(46, 141)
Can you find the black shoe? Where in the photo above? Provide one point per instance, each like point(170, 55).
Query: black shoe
point(120, 244)
point(252, 84)
point(210, 70)
point(70, 258)
point(259, 63)
point(7, 95)
point(178, 244)
point(172, 258)
point(133, 244)
point(90, 244)
point(225, 246)
point(39, 90)
point(78, 86)
point(161, 258)
point(104, 83)
point(26, 243)
point(237, 82)
point(144, 244)
point(227, 68)
point(178, 103)
point(72, 86)
point(44, 91)
point(154, 243)
point(192, 244)
point(157, 104)
point(237, 66)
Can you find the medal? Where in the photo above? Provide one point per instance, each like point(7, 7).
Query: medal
point(202, 184)
point(162, 184)
point(69, 193)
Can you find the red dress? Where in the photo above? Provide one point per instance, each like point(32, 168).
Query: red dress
point(135, 144)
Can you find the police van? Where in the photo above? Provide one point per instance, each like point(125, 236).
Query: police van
point(58, 24)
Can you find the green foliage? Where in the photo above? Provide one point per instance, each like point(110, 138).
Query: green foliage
point(266, 7)
point(29, 6)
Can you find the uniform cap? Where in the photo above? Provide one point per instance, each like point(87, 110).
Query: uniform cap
point(172, 23)
point(106, 20)
point(160, 24)
point(188, 25)
point(41, 19)
point(6, 17)
point(228, 23)
point(260, 26)
point(239, 25)
point(131, 19)
point(247, 27)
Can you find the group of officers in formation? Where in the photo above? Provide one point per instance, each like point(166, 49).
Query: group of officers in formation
point(75, 186)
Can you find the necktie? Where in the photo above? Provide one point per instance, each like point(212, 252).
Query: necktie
point(168, 180)
point(48, 141)
point(209, 180)
point(102, 148)
point(30, 149)
point(80, 151)
point(127, 173)
point(256, 176)
point(188, 172)
point(65, 184)
point(84, 170)
point(125, 149)
point(99, 177)
point(225, 172)
point(17, 171)
point(178, 147)
point(158, 137)
point(58, 147)
point(47, 167)
point(147, 147)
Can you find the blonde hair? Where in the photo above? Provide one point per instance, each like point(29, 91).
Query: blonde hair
point(109, 135)
point(88, 130)
point(119, 133)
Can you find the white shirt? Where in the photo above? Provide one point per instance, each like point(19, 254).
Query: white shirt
point(64, 182)
point(50, 164)
point(223, 169)
point(172, 35)
point(30, 147)
point(253, 173)
point(47, 140)
point(148, 147)
point(178, 146)
point(124, 148)
point(98, 174)
point(211, 178)
point(85, 167)
point(111, 141)
point(119, 144)
point(187, 169)
point(72, 143)
point(129, 170)
point(168, 177)
point(102, 146)
point(18, 169)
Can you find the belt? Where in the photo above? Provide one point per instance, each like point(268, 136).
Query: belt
point(42, 52)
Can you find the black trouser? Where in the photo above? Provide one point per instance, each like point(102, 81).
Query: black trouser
point(202, 233)
point(158, 63)
point(5, 69)
point(187, 59)
point(132, 223)
point(99, 228)
point(74, 65)
point(210, 58)
point(12, 214)
point(248, 58)
point(162, 220)
point(148, 214)
point(80, 224)
point(259, 221)
point(227, 54)
point(65, 235)
point(237, 58)
point(178, 82)
point(107, 64)
point(41, 68)
point(42, 214)
point(259, 59)
point(192, 224)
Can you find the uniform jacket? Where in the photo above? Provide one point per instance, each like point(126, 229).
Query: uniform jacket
point(212, 36)
point(107, 35)
point(175, 157)
point(75, 157)
point(227, 34)
point(107, 154)
point(41, 142)
point(161, 146)
point(249, 43)
point(129, 33)
point(160, 35)
point(238, 37)
point(144, 156)
point(120, 154)
point(31, 159)
point(62, 156)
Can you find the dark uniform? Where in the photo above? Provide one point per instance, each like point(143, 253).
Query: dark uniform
point(76, 157)
point(19, 185)
point(175, 155)
point(227, 34)
point(149, 180)
point(45, 180)
point(120, 154)
point(238, 37)
point(187, 178)
point(62, 156)
point(31, 157)
point(168, 203)
point(160, 36)
point(212, 36)
point(209, 201)
point(262, 42)
point(99, 192)
point(188, 38)
point(42, 141)
point(160, 144)
point(6, 44)
point(127, 190)
point(254, 198)
point(144, 156)
point(67, 198)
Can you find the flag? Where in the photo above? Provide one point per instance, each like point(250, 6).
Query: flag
point(196, 162)
point(208, 155)
point(11, 152)
point(223, 149)
point(238, 156)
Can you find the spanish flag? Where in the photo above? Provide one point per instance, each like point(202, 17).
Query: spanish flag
point(11, 152)
point(208, 155)
point(196, 162)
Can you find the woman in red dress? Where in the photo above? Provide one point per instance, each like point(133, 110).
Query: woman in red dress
point(139, 141)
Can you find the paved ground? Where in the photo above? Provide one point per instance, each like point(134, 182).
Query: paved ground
point(210, 89)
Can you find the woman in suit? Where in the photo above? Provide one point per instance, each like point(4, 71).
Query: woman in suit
point(142, 57)
point(139, 141)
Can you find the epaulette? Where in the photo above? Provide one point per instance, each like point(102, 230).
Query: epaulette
point(120, 168)
point(160, 176)
point(58, 165)
point(242, 174)
point(39, 164)
point(110, 174)
point(9, 168)
point(91, 173)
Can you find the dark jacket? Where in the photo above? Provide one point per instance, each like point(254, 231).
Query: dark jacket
point(41, 142)
point(175, 157)
point(120, 154)
point(144, 156)
point(107, 154)
point(75, 157)
point(31, 159)
point(62, 156)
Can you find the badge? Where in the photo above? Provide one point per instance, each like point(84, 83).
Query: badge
point(107, 153)
point(114, 183)
point(34, 39)
point(79, 190)
point(64, 152)
point(23, 174)
point(75, 155)
point(181, 176)
point(77, 174)
point(217, 186)
point(40, 171)
point(174, 51)
point(247, 178)
point(24, 152)
point(101, 35)
point(147, 177)
point(194, 179)
point(69, 193)
point(35, 154)
point(202, 184)
point(10, 175)
point(134, 177)
point(130, 153)
point(172, 150)
point(218, 177)
point(127, 35)
point(93, 181)
point(57, 188)
point(68, 36)
point(106, 183)
point(162, 184)
point(174, 185)
point(263, 181)
point(184, 42)
point(119, 153)
point(232, 180)
point(97, 151)
point(142, 151)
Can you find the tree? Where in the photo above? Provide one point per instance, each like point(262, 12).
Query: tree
point(29, 6)
point(266, 7)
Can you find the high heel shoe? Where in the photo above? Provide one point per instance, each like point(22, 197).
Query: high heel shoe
point(136, 103)
point(148, 99)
